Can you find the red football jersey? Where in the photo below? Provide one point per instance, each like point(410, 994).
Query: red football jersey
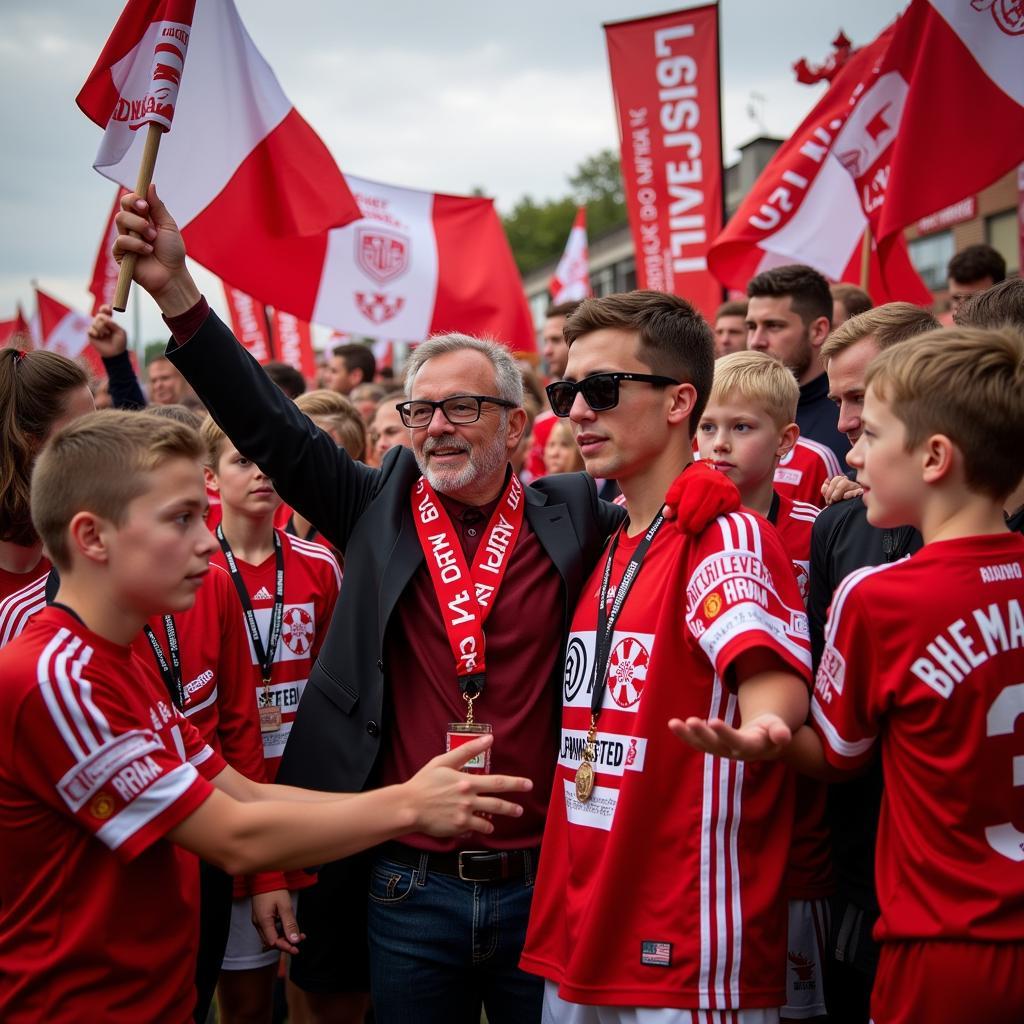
point(215, 672)
point(804, 468)
point(99, 915)
point(12, 582)
point(809, 876)
point(927, 655)
point(17, 608)
point(665, 888)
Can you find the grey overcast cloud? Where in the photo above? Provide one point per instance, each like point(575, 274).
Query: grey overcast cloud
point(444, 96)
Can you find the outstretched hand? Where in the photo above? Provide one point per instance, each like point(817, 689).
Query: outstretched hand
point(147, 229)
point(761, 739)
point(106, 335)
point(698, 496)
point(448, 802)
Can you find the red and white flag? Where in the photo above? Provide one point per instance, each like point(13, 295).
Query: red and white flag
point(15, 332)
point(416, 264)
point(571, 280)
point(65, 331)
point(293, 342)
point(384, 354)
point(950, 91)
point(805, 206)
point(249, 324)
point(105, 269)
point(665, 82)
point(251, 185)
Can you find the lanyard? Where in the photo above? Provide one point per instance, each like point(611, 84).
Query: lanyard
point(603, 643)
point(465, 608)
point(264, 656)
point(171, 671)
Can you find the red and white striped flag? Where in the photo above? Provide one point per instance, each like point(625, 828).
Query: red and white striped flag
point(961, 61)
point(805, 206)
point(571, 280)
point(293, 342)
point(251, 185)
point(105, 269)
point(249, 324)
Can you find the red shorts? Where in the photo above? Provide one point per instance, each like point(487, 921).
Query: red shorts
point(949, 983)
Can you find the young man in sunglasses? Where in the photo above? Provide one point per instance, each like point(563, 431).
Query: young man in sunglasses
point(452, 618)
point(659, 896)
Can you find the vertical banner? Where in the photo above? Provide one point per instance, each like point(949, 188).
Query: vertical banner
point(664, 73)
point(293, 341)
point(249, 324)
point(106, 268)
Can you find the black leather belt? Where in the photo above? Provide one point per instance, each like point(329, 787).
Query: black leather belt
point(469, 865)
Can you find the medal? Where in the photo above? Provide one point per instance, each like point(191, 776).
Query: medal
point(270, 714)
point(584, 782)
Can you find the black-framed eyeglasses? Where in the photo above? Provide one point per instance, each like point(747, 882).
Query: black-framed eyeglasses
point(600, 390)
point(459, 409)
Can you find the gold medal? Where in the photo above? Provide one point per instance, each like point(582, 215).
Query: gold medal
point(584, 782)
point(270, 719)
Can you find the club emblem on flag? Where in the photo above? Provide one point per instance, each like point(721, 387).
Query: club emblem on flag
point(377, 308)
point(1008, 14)
point(384, 255)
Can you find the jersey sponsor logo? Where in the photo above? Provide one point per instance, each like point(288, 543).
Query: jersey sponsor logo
point(263, 595)
point(131, 780)
point(615, 754)
point(968, 643)
point(199, 682)
point(628, 667)
point(597, 812)
point(297, 630)
point(627, 671)
point(656, 954)
point(998, 573)
point(792, 477)
point(302, 618)
point(831, 673)
point(87, 777)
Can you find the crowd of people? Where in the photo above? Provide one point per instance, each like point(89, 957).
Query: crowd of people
point(612, 698)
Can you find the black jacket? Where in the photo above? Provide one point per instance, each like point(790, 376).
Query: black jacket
point(817, 416)
point(337, 734)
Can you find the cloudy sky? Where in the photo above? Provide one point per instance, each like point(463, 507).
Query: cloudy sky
point(442, 96)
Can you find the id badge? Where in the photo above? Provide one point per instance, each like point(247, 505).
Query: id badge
point(270, 719)
point(460, 733)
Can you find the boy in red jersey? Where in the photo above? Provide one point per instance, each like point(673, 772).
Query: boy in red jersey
point(659, 893)
point(747, 426)
point(286, 590)
point(97, 768)
point(927, 656)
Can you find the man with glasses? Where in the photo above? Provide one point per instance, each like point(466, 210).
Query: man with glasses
point(659, 896)
point(452, 618)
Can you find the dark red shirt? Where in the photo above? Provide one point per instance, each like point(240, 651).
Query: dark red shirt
point(523, 635)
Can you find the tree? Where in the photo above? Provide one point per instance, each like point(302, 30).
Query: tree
point(537, 231)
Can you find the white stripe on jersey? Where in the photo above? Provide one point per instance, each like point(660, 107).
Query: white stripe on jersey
point(17, 608)
point(85, 689)
point(802, 510)
point(843, 747)
point(824, 453)
point(313, 550)
point(192, 709)
point(204, 755)
point(70, 692)
point(147, 805)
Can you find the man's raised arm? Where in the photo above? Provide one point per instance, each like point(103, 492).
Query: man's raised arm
point(310, 472)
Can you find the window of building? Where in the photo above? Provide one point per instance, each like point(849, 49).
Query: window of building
point(1003, 234)
point(930, 256)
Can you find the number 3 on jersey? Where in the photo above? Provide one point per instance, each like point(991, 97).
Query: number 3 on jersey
point(1000, 721)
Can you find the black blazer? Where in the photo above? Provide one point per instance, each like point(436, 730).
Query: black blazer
point(366, 514)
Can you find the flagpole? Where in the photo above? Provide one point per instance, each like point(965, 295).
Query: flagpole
point(124, 277)
point(865, 259)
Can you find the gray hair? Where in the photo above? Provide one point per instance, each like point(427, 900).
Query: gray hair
point(508, 379)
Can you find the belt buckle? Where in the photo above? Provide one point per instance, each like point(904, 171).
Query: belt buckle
point(462, 865)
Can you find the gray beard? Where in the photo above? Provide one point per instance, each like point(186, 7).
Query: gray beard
point(481, 463)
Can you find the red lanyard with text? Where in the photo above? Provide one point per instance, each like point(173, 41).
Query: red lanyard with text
point(466, 594)
point(270, 714)
point(170, 670)
point(606, 620)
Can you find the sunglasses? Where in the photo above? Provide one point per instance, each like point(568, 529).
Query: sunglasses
point(600, 391)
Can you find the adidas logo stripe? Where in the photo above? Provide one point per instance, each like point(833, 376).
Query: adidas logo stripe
point(262, 595)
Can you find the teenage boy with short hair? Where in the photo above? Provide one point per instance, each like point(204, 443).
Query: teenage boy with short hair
point(940, 686)
point(746, 428)
point(286, 588)
point(97, 769)
point(660, 882)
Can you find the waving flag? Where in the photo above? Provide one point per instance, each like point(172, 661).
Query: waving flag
point(964, 59)
point(293, 342)
point(105, 269)
point(15, 332)
point(66, 331)
point(252, 186)
point(806, 208)
point(249, 324)
point(571, 279)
